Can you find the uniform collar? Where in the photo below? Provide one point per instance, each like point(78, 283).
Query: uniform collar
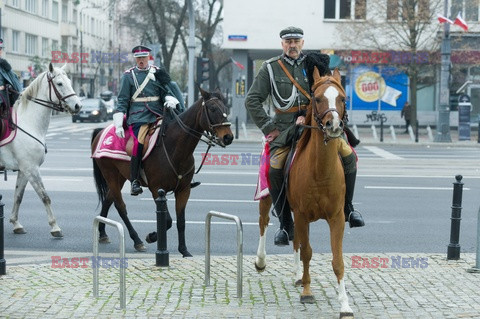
point(291, 61)
point(138, 69)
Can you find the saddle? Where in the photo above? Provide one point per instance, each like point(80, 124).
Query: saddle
point(8, 127)
point(111, 146)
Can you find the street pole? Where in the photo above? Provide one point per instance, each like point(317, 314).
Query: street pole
point(191, 54)
point(443, 121)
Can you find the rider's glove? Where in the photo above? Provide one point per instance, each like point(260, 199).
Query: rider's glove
point(170, 102)
point(118, 122)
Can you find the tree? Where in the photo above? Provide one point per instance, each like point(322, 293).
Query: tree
point(409, 25)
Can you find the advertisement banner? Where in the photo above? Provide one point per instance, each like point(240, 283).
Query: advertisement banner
point(374, 88)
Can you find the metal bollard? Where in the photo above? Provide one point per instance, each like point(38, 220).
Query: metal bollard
point(236, 128)
point(161, 255)
point(416, 133)
point(478, 137)
point(453, 251)
point(381, 129)
point(3, 264)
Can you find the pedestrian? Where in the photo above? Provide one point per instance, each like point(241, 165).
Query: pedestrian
point(143, 95)
point(10, 85)
point(406, 114)
point(285, 80)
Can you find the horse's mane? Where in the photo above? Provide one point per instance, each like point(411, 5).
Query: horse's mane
point(321, 62)
point(32, 89)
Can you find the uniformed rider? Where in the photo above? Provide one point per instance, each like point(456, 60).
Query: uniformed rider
point(144, 93)
point(10, 85)
point(290, 102)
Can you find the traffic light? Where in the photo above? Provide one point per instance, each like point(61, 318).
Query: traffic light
point(202, 69)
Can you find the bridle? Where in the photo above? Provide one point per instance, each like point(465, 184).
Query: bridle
point(57, 106)
point(319, 116)
point(210, 134)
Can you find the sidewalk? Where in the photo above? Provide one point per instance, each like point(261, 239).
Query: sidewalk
point(442, 289)
point(369, 135)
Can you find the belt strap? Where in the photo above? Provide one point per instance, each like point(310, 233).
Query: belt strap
point(146, 99)
point(293, 109)
point(293, 80)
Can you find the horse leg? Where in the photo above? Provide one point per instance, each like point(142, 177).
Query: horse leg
point(181, 199)
point(301, 238)
point(36, 181)
point(122, 211)
point(106, 204)
point(263, 220)
point(337, 227)
point(19, 191)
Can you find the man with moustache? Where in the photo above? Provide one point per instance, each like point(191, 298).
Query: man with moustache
point(143, 95)
point(285, 80)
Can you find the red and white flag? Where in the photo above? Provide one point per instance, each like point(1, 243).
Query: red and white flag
point(238, 64)
point(460, 22)
point(443, 19)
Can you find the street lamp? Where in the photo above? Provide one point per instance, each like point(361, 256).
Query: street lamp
point(443, 121)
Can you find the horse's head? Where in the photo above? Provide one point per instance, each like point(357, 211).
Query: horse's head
point(214, 117)
point(328, 103)
point(61, 92)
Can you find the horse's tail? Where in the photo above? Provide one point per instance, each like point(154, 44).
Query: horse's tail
point(100, 182)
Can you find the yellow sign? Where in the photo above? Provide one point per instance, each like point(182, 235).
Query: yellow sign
point(370, 86)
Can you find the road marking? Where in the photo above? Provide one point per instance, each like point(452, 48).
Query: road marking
point(195, 222)
point(228, 184)
point(381, 152)
point(414, 188)
point(214, 200)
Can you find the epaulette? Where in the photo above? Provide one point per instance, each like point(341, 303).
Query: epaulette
point(129, 70)
point(273, 59)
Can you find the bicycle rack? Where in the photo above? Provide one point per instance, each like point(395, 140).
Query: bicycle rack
point(121, 234)
point(238, 222)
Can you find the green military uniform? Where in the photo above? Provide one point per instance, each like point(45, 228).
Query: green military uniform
point(281, 92)
point(149, 104)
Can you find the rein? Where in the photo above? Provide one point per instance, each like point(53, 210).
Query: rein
point(196, 134)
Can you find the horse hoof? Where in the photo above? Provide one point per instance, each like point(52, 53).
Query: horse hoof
point(260, 269)
point(19, 231)
point(186, 254)
point(140, 247)
point(299, 283)
point(151, 238)
point(57, 234)
point(307, 299)
point(104, 240)
point(346, 315)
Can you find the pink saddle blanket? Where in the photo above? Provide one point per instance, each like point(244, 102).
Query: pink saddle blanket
point(263, 183)
point(8, 134)
point(111, 146)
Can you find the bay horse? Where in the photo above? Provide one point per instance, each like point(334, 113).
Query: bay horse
point(170, 166)
point(316, 184)
point(31, 113)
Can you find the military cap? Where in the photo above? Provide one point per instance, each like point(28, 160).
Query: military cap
point(291, 33)
point(1, 43)
point(141, 51)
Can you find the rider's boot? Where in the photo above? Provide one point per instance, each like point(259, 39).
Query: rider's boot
point(135, 166)
point(353, 216)
point(282, 207)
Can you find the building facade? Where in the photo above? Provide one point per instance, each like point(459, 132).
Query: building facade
point(375, 78)
point(81, 34)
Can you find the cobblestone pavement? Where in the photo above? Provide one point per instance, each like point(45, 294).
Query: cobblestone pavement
point(408, 286)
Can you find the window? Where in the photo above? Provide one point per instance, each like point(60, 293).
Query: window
point(30, 44)
point(31, 6)
point(468, 8)
point(392, 9)
point(55, 11)
point(15, 3)
point(45, 8)
point(345, 9)
point(15, 40)
point(64, 12)
point(54, 45)
point(74, 16)
point(45, 48)
point(64, 44)
point(408, 10)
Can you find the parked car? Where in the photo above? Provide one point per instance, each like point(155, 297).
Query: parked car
point(93, 110)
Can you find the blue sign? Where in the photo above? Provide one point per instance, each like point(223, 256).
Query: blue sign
point(372, 87)
point(237, 37)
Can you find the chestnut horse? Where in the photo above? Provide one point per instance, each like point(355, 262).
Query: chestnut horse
point(316, 184)
point(170, 166)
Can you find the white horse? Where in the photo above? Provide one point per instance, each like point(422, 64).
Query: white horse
point(52, 90)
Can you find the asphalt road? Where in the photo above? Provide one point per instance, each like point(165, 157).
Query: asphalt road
point(404, 193)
